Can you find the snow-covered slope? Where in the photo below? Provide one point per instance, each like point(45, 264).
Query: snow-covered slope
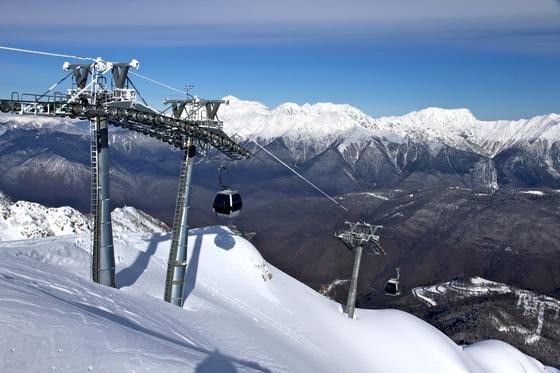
point(240, 314)
point(22, 219)
point(129, 220)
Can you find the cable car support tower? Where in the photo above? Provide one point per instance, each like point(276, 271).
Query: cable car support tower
point(355, 237)
point(194, 122)
point(192, 109)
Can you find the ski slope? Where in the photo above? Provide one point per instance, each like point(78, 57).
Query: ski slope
point(241, 315)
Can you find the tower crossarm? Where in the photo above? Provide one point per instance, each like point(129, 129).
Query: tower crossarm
point(134, 117)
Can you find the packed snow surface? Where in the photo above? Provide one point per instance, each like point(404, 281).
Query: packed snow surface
point(240, 314)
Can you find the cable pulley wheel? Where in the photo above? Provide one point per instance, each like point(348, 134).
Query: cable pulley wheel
point(122, 114)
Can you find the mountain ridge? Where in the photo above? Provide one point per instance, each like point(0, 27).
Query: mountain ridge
point(466, 132)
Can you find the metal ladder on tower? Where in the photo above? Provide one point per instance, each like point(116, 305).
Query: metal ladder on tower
point(94, 204)
point(179, 205)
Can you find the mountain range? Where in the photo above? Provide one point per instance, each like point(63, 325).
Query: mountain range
point(339, 147)
point(354, 150)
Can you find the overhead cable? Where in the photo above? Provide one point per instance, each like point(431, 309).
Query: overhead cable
point(46, 53)
point(156, 82)
point(298, 174)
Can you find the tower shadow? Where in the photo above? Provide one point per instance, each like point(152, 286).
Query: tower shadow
point(192, 269)
point(216, 363)
point(223, 239)
point(130, 274)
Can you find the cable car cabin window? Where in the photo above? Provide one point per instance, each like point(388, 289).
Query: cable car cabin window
point(391, 288)
point(222, 203)
point(236, 202)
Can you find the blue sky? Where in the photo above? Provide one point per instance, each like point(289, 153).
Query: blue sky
point(499, 58)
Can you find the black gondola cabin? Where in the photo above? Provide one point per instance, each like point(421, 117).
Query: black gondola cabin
point(227, 203)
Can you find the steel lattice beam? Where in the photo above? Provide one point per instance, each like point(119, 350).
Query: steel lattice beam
point(174, 131)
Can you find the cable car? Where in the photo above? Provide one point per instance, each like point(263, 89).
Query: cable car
point(227, 202)
point(393, 287)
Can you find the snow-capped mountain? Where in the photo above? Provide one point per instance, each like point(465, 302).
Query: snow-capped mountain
point(240, 314)
point(450, 146)
point(28, 220)
point(324, 122)
point(339, 147)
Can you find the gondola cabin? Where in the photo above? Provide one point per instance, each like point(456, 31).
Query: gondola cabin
point(227, 203)
point(393, 287)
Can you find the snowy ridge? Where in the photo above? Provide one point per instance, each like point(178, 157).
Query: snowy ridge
point(306, 130)
point(130, 220)
point(236, 317)
point(23, 220)
point(61, 124)
point(320, 124)
point(310, 128)
point(307, 122)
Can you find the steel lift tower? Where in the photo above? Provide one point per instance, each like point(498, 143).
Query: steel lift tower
point(194, 121)
point(103, 257)
point(191, 109)
point(355, 237)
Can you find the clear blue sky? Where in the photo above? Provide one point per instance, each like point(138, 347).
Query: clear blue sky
point(499, 58)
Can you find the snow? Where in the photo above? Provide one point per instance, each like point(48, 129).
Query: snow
point(532, 304)
point(22, 219)
point(496, 356)
point(378, 195)
point(240, 314)
point(129, 220)
point(319, 125)
point(533, 192)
